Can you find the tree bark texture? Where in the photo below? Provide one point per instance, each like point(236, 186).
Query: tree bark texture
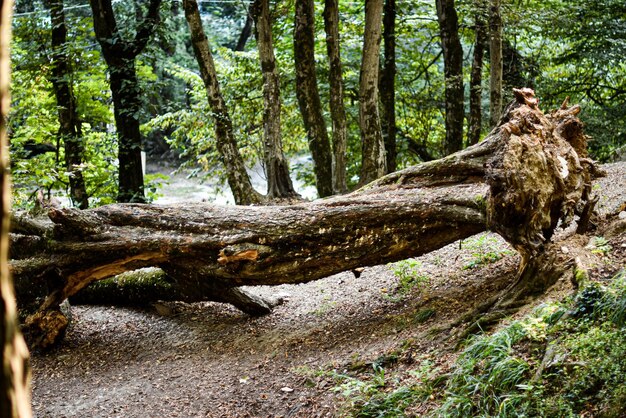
point(14, 369)
point(495, 63)
point(337, 109)
point(69, 122)
point(308, 95)
point(246, 31)
point(520, 181)
point(388, 85)
point(279, 183)
point(476, 81)
point(120, 55)
point(373, 160)
point(453, 72)
point(238, 179)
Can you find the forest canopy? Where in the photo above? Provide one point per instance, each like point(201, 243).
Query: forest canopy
point(558, 48)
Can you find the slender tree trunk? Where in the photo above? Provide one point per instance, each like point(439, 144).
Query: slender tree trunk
point(373, 158)
point(453, 71)
point(337, 109)
point(126, 104)
point(495, 58)
point(14, 370)
point(238, 178)
point(246, 31)
point(308, 95)
point(388, 84)
point(476, 81)
point(120, 55)
point(69, 123)
point(276, 167)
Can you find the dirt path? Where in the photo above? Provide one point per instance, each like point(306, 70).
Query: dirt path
point(209, 360)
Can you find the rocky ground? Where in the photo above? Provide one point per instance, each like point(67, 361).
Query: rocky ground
point(210, 360)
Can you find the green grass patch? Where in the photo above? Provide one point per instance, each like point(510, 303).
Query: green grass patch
point(410, 276)
point(565, 359)
point(485, 249)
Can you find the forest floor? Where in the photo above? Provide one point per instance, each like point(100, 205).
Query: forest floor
point(210, 360)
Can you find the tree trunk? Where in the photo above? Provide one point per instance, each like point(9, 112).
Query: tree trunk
point(120, 55)
point(476, 81)
point(495, 58)
point(14, 370)
point(126, 105)
point(337, 109)
point(524, 178)
point(388, 85)
point(276, 167)
point(308, 95)
point(69, 123)
point(246, 31)
point(238, 178)
point(453, 71)
point(373, 158)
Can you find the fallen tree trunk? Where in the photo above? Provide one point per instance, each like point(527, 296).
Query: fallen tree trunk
point(528, 174)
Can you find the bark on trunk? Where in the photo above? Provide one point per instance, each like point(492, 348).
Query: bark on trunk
point(126, 105)
point(388, 85)
point(279, 183)
point(337, 109)
point(533, 166)
point(69, 122)
point(14, 370)
point(453, 71)
point(476, 81)
point(308, 95)
point(238, 179)
point(120, 55)
point(495, 58)
point(373, 160)
point(246, 31)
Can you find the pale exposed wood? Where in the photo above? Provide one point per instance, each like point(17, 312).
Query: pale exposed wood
point(14, 370)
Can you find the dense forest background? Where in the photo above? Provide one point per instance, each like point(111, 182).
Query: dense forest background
point(71, 136)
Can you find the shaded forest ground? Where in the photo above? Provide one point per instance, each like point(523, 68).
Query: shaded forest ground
point(210, 360)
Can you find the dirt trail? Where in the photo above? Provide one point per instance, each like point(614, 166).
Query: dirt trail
point(210, 360)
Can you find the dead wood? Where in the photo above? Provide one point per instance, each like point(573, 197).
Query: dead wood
point(529, 174)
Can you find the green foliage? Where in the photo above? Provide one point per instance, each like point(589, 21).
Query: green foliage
point(583, 355)
point(559, 48)
point(376, 396)
point(564, 360)
point(410, 276)
point(599, 245)
point(487, 376)
point(368, 398)
point(485, 249)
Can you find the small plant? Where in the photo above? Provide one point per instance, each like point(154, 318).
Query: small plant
point(410, 276)
point(599, 245)
point(424, 315)
point(485, 249)
point(371, 397)
point(587, 301)
point(326, 306)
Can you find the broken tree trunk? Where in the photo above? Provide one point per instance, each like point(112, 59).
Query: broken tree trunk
point(528, 174)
